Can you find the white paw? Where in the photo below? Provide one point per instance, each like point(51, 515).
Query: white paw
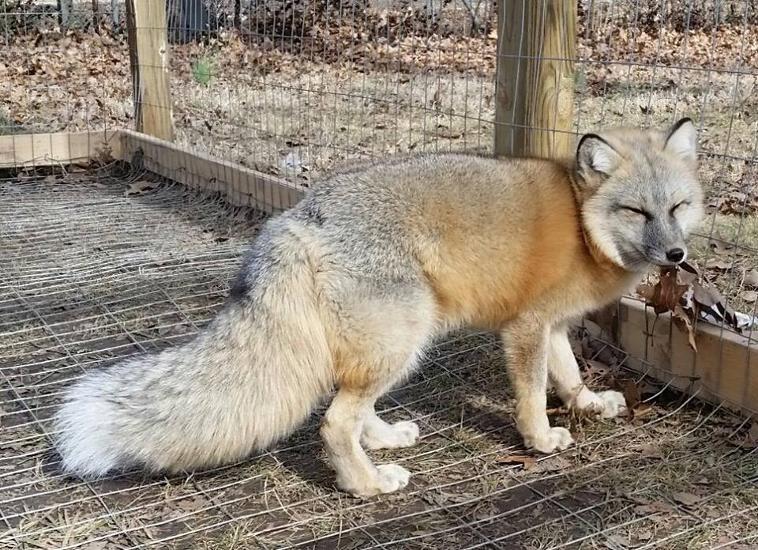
point(392, 477)
point(614, 403)
point(389, 478)
point(555, 439)
point(395, 436)
point(608, 404)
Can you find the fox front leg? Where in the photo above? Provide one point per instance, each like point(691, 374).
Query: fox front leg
point(526, 344)
point(567, 381)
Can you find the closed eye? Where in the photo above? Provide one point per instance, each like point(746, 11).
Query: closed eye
point(648, 215)
point(673, 209)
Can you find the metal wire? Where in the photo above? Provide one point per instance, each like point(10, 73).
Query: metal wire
point(267, 498)
point(300, 89)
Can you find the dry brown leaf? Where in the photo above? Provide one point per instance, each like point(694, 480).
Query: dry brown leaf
point(687, 277)
point(596, 369)
point(642, 410)
point(720, 248)
point(671, 291)
point(554, 464)
point(686, 499)
point(646, 291)
point(631, 392)
point(717, 264)
point(140, 188)
point(528, 462)
point(751, 278)
point(666, 294)
point(750, 440)
point(706, 296)
point(618, 541)
point(653, 507)
point(651, 451)
point(683, 322)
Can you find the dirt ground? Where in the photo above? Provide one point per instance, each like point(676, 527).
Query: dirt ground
point(92, 273)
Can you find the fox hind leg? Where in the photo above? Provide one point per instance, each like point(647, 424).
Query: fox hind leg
point(350, 423)
point(378, 434)
point(341, 431)
point(380, 342)
point(567, 380)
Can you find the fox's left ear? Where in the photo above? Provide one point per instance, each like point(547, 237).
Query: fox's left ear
point(682, 140)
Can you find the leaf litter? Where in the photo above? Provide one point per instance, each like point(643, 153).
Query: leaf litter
point(686, 294)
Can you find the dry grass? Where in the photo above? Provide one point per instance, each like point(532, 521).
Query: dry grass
point(127, 274)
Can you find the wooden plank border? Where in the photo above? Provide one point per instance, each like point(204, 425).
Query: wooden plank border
point(241, 186)
point(20, 151)
point(724, 369)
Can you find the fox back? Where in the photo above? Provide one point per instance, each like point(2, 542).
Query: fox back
point(494, 237)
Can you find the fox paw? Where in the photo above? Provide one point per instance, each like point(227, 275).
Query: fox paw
point(608, 404)
point(392, 477)
point(389, 478)
point(390, 436)
point(555, 439)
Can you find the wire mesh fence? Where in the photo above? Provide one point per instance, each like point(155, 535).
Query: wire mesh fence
point(299, 89)
point(99, 269)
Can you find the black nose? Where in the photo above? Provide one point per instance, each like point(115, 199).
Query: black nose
point(675, 255)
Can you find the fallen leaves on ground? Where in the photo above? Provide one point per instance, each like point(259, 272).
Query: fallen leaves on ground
point(528, 462)
point(140, 188)
point(653, 507)
point(686, 499)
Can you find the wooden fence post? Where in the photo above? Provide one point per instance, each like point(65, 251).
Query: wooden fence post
point(148, 54)
point(535, 77)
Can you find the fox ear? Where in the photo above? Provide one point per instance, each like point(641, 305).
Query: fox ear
point(682, 140)
point(596, 157)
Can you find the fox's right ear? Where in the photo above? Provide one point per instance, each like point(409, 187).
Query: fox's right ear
point(595, 157)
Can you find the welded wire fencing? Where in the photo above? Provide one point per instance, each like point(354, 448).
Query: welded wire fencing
point(99, 264)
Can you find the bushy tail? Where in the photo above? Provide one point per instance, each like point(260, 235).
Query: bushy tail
point(252, 376)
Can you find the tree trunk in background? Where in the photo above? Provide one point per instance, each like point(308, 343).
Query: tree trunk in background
point(65, 9)
point(96, 15)
point(116, 13)
point(187, 20)
point(237, 14)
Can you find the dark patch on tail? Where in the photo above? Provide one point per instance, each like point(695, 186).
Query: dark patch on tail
point(309, 212)
point(248, 275)
point(240, 287)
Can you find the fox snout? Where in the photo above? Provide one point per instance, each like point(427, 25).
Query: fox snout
point(663, 243)
point(665, 258)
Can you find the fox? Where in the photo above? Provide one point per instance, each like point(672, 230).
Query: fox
point(346, 290)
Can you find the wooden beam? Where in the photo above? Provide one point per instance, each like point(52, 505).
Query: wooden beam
point(724, 369)
point(241, 186)
point(534, 100)
point(57, 149)
point(148, 55)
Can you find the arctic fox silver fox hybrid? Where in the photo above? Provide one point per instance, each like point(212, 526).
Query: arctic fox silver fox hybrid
point(347, 289)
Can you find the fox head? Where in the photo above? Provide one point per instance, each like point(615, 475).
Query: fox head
point(639, 192)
